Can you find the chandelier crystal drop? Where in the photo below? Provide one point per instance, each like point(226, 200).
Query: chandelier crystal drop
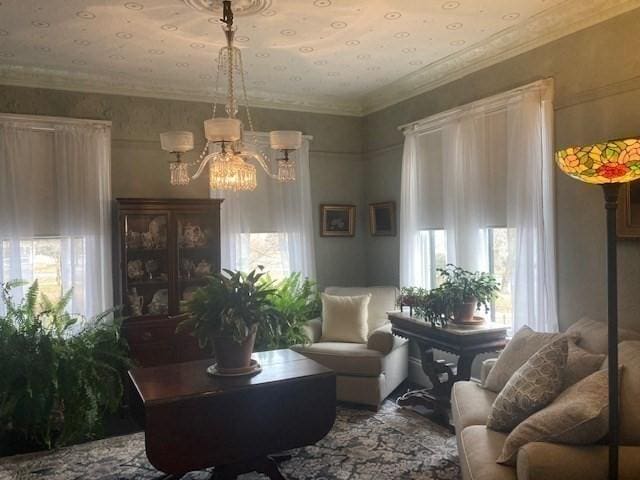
point(224, 149)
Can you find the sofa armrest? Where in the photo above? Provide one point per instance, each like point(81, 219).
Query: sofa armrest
point(542, 461)
point(313, 330)
point(383, 341)
point(485, 368)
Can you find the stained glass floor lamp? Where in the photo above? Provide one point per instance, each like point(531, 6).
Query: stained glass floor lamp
point(608, 164)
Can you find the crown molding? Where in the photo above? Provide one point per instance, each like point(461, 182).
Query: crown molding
point(37, 77)
point(561, 20)
point(554, 23)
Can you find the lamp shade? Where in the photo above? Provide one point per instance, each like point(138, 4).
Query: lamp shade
point(176, 142)
point(222, 129)
point(616, 161)
point(285, 139)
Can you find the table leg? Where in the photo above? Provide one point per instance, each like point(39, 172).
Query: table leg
point(464, 367)
point(442, 377)
point(265, 465)
point(269, 467)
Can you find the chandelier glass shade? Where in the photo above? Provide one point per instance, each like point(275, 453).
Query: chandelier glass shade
point(225, 151)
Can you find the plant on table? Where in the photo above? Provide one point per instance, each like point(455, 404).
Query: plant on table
point(459, 295)
point(296, 301)
point(225, 315)
point(59, 373)
point(463, 292)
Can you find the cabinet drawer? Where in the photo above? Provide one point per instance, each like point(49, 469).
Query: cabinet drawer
point(152, 354)
point(142, 334)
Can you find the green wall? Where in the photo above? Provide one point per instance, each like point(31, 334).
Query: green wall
point(358, 161)
point(597, 97)
point(139, 166)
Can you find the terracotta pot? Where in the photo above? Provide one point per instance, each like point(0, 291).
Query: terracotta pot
point(464, 312)
point(231, 354)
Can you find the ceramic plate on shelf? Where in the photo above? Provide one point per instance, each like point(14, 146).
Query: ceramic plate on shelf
point(160, 302)
point(158, 231)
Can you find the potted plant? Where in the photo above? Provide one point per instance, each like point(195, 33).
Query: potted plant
point(225, 314)
point(411, 297)
point(464, 292)
point(60, 374)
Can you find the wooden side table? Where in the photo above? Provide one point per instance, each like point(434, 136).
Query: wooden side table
point(465, 342)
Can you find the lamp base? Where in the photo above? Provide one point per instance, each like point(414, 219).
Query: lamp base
point(611, 194)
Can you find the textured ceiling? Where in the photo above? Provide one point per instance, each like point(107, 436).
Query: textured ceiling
point(343, 56)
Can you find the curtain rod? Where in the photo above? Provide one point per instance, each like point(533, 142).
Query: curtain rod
point(57, 120)
point(488, 101)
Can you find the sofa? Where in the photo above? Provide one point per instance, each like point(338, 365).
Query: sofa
point(479, 446)
point(366, 373)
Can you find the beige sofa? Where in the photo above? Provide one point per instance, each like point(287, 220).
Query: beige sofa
point(365, 373)
point(479, 446)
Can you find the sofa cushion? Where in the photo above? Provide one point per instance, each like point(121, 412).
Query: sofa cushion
point(520, 348)
point(344, 319)
point(470, 404)
point(383, 300)
point(579, 416)
point(580, 364)
point(478, 449)
point(593, 335)
point(531, 388)
point(629, 358)
point(345, 358)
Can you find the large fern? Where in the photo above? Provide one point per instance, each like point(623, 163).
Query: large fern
point(56, 383)
point(296, 301)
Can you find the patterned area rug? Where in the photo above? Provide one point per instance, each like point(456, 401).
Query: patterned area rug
point(393, 443)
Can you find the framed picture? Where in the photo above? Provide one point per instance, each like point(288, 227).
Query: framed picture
point(337, 220)
point(629, 210)
point(382, 219)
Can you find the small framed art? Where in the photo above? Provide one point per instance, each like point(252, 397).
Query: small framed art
point(382, 219)
point(337, 220)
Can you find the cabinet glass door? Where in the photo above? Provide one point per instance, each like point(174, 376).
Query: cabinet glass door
point(146, 264)
point(197, 253)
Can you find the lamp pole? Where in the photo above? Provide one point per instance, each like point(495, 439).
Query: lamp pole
point(611, 192)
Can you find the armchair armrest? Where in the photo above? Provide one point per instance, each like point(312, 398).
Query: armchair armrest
point(313, 329)
point(542, 461)
point(485, 368)
point(383, 341)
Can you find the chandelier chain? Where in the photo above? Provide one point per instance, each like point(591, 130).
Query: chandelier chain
point(246, 99)
point(215, 93)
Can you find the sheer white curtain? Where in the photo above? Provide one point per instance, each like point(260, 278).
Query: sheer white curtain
point(530, 209)
point(55, 194)
point(492, 168)
point(281, 211)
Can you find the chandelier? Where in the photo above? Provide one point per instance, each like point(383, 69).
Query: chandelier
point(225, 152)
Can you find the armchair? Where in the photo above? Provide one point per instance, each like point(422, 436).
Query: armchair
point(366, 373)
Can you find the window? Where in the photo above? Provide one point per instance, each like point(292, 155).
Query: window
point(433, 245)
point(271, 225)
point(55, 219)
point(500, 265)
point(266, 249)
point(43, 259)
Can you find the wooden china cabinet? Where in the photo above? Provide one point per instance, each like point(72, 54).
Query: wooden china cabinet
point(166, 248)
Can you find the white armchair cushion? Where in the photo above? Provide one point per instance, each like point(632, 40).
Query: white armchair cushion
point(383, 300)
point(344, 319)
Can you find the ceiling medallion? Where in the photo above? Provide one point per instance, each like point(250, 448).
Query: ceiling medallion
point(240, 7)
